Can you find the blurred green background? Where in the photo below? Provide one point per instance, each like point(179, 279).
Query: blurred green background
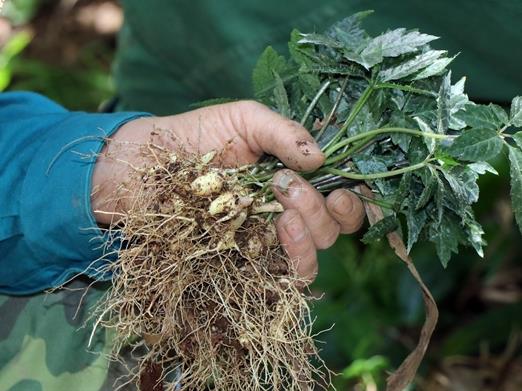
point(64, 49)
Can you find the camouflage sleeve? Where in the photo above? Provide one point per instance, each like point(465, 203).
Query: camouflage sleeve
point(44, 343)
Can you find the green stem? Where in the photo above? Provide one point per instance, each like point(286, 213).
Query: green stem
point(404, 88)
point(344, 155)
point(314, 101)
point(334, 109)
point(368, 177)
point(376, 132)
point(356, 109)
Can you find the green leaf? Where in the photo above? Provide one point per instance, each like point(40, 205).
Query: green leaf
point(402, 190)
point(518, 139)
point(463, 183)
point(430, 142)
point(443, 108)
point(281, 97)
point(380, 229)
point(415, 221)
point(474, 234)
point(321, 40)
point(427, 193)
point(458, 100)
point(263, 77)
point(446, 238)
point(482, 167)
point(412, 66)
point(390, 44)
point(349, 32)
point(476, 145)
point(516, 111)
point(481, 116)
point(436, 68)
point(300, 53)
point(515, 160)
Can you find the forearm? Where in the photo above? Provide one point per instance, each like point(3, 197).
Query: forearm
point(47, 230)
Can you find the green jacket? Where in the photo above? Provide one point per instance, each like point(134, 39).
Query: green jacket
point(173, 53)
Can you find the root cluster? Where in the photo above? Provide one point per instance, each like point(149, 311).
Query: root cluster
point(203, 285)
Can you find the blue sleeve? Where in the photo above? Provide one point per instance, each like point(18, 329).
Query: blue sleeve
point(47, 230)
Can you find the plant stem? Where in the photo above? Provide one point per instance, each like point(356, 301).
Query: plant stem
point(355, 110)
point(366, 177)
point(404, 88)
point(314, 101)
point(334, 109)
point(376, 132)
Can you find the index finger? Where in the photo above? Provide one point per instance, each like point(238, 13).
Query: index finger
point(267, 131)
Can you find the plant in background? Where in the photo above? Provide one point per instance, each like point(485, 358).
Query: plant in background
point(202, 277)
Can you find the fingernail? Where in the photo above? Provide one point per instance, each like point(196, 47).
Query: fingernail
point(288, 184)
point(343, 204)
point(294, 229)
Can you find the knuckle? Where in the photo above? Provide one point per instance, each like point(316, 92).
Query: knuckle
point(327, 240)
point(249, 105)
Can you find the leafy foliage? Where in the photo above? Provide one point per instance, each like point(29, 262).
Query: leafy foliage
point(386, 113)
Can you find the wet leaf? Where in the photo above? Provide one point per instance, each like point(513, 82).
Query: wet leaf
point(446, 239)
point(430, 142)
point(412, 66)
point(415, 221)
point(263, 77)
point(443, 105)
point(518, 139)
point(483, 117)
point(516, 111)
point(281, 97)
point(436, 68)
point(380, 229)
point(476, 145)
point(515, 160)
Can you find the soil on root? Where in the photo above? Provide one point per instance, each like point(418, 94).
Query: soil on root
point(208, 289)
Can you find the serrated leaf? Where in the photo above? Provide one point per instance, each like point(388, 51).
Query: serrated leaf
point(380, 229)
point(516, 111)
point(482, 167)
point(263, 78)
point(515, 163)
point(370, 164)
point(481, 116)
point(412, 66)
point(474, 234)
point(427, 193)
point(446, 238)
point(281, 97)
point(390, 44)
point(430, 142)
point(458, 100)
point(443, 105)
point(439, 201)
point(415, 221)
point(301, 53)
point(436, 68)
point(402, 190)
point(476, 145)
point(518, 139)
point(349, 32)
point(463, 183)
point(417, 151)
point(321, 40)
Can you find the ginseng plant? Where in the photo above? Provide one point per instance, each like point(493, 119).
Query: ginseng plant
point(202, 284)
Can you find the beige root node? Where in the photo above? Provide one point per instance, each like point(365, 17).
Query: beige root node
point(204, 286)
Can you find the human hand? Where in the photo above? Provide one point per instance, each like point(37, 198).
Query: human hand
point(241, 132)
